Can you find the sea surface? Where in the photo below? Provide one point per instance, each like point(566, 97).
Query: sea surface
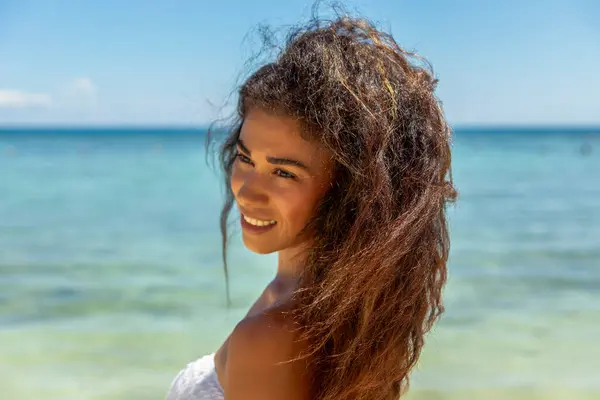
point(111, 279)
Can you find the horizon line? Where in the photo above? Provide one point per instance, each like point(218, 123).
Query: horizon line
point(174, 126)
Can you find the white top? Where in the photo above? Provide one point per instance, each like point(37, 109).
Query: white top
point(197, 381)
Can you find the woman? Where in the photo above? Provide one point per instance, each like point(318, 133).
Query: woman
point(340, 162)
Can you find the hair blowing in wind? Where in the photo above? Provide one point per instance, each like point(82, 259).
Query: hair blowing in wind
point(372, 286)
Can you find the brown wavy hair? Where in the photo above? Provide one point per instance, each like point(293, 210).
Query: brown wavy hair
point(372, 285)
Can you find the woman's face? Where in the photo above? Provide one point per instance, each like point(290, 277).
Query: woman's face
point(278, 179)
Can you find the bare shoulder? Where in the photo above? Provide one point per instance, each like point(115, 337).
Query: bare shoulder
point(262, 360)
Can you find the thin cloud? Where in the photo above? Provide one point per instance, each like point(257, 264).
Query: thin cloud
point(79, 95)
point(17, 99)
point(83, 86)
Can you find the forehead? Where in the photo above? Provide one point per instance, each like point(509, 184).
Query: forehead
point(279, 136)
point(267, 130)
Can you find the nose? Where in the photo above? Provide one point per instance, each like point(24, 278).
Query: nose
point(252, 194)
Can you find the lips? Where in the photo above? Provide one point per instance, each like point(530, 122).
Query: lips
point(253, 223)
point(258, 222)
point(250, 225)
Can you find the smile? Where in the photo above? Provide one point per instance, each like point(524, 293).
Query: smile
point(258, 222)
point(255, 226)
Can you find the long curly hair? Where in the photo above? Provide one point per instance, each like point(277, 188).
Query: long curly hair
point(372, 286)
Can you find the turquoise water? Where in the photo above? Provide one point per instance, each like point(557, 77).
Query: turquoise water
point(110, 274)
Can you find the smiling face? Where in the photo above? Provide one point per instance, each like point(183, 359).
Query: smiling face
point(278, 179)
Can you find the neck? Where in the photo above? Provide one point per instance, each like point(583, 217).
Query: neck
point(289, 268)
point(291, 262)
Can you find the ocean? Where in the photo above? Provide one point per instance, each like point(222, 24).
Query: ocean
point(111, 277)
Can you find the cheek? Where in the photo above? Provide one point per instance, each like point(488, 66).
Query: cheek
point(236, 180)
point(296, 206)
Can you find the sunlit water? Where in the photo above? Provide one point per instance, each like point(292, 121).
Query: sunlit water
point(111, 280)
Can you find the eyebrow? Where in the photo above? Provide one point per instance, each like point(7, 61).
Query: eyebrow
point(275, 160)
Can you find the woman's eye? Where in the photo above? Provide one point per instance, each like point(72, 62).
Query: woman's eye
point(243, 158)
point(284, 174)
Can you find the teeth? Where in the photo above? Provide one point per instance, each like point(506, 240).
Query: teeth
point(257, 222)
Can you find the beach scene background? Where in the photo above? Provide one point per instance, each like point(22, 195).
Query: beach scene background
point(111, 277)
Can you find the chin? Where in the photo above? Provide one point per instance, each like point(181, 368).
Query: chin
point(259, 246)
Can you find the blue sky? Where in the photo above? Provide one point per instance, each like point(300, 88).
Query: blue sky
point(173, 62)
